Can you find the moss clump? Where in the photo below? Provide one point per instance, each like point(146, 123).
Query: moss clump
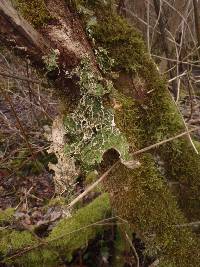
point(142, 198)
point(80, 228)
point(34, 11)
point(182, 164)
point(6, 215)
point(69, 235)
point(13, 241)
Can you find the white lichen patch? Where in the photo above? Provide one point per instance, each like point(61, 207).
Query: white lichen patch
point(65, 169)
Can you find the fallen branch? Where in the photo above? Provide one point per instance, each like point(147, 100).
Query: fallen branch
point(33, 38)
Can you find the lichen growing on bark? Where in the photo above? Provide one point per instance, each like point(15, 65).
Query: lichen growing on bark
point(90, 128)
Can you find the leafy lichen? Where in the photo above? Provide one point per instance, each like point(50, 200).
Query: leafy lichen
point(91, 129)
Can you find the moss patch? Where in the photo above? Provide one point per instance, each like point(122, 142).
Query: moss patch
point(142, 197)
point(34, 11)
point(6, 216)
point(69, 235)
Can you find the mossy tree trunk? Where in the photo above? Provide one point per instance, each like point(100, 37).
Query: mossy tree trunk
point(145, 113)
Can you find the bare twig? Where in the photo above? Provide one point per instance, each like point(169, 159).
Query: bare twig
point(165, 141)
point(148, 25)
point(162, 27)
point(14, 76)
point(197, 223)
point(191, 63)
point(91, 187)
point(183, 18)
point(134, 250)
point(186, 127)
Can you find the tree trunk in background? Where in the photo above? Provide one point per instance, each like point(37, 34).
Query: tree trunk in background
point(197, 21)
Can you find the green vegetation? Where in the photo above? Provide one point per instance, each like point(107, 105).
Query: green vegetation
point(143, 199)
point(149, 114)
point(91, 129)
point(34, 11)
point(145, 114)
point(6, 216)
point(69, 235)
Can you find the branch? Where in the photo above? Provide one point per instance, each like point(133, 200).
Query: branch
point(21, 26)
point(9, 75)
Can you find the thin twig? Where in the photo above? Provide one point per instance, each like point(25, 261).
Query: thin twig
point(165, 141)
point(8, 99)
point(192, 63)
point(197, 22)
point(134, 250)
point(9, 75)
point(197, 223)
point(186, 127)
point(91, 187)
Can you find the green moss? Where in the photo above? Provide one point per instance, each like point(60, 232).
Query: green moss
point(34, 11)
point(69, 235)
point(142, 198)
point(13, 241)
point(120, 248)
point(6, 215)
point(182, 165)
point(80, 228)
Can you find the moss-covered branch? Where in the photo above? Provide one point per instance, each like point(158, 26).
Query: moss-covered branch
point(150, 114)
point(70, 234)
point(142, 197)
point(146, 114)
